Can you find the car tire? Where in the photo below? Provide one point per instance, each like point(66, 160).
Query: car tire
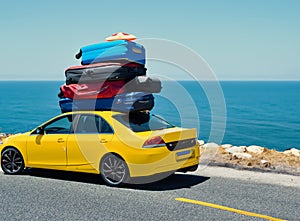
point(12, 161)
point(114, 170)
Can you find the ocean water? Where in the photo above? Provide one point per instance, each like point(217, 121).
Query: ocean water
point(239, 112)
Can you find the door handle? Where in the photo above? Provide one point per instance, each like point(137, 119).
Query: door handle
point(103, 141)
point(60, 140)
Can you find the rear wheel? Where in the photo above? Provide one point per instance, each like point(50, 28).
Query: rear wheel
point(114, 170)
point(12, 161)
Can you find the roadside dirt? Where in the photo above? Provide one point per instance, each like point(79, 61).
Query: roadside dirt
point(268, 160)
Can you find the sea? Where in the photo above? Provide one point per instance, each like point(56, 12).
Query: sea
point(264, 113)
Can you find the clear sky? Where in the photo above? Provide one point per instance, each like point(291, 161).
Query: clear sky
point(240, 39)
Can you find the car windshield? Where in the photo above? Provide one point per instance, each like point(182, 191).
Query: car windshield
point(142, 121)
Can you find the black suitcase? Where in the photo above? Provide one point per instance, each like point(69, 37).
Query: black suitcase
point(144, 84)
point(104, 71)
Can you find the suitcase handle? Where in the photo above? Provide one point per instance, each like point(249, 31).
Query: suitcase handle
point(78, 55)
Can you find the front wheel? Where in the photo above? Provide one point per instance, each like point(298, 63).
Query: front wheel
point(114, 170)
point(12, 161)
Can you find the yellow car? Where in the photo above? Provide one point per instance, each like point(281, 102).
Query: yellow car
point(116, 145)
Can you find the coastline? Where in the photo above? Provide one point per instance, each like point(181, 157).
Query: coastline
point(251, 158)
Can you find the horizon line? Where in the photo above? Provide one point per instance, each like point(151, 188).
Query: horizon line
point(57, 80)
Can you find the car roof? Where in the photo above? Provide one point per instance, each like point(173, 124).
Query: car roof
point(102, 113)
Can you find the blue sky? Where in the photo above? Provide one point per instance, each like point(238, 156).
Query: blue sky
point(250, 39)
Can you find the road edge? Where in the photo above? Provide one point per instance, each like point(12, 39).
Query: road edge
point(263, 177)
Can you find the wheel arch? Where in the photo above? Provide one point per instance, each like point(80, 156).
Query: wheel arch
point(113, 153)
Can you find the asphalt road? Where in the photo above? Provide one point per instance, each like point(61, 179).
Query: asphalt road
point(53, 195)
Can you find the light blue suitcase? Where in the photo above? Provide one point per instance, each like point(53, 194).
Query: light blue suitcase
point(113, 50)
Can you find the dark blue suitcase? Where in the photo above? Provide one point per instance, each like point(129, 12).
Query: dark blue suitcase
point(113, 50)
point(127, 102)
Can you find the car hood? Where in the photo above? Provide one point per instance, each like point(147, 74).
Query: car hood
point(13, 137)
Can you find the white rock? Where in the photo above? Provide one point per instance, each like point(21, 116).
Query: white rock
point(201, 142)
point(225, 146)
point(255, 149)
point(211, 145)
point(241, 155)
point(265, 163)
point(236, 149)
point(292, 152)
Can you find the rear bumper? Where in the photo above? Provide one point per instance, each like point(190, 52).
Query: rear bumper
point(170, 161)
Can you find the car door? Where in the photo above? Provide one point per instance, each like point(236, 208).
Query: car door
point(47, 145)
point(87, 144)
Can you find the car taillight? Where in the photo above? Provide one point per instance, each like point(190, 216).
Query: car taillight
point(154, 142)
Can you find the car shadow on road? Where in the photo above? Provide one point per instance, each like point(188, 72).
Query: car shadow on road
point(171, 182)
point(64, 175)
point(161, 182)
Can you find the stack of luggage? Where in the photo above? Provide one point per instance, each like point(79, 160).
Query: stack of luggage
point(112, 76)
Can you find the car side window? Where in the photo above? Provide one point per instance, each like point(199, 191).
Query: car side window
point(59, 126)
point(91, 124)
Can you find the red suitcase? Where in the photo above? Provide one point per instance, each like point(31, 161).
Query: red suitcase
point(105, 89)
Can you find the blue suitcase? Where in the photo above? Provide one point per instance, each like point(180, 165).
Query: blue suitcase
point(127, 102)
point(113, 50)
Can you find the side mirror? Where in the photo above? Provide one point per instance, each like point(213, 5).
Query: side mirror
point(39, 130)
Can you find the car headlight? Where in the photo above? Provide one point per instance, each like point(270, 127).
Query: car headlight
point(3, 141)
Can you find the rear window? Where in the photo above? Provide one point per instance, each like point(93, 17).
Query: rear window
point(142, 121)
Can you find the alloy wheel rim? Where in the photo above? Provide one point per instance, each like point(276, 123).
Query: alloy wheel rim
point(11, 161)
point(114, 170)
